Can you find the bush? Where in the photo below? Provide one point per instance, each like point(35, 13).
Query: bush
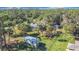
point(20, 40)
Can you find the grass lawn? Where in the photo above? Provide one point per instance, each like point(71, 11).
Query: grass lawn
point(54, 45)
point(48, 42)
point(58, 43)
point(59, 46)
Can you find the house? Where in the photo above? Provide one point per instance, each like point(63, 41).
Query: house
point(33, 25)
point(33, 41)
point(56, 26)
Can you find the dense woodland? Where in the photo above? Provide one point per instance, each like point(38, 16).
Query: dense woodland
point(54, 27)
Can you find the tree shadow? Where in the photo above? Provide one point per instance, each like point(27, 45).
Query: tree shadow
point(42, 47)
point(62, 40)
point(19, 35)
point(35, 34)
point(16, 47)
point(26, 47)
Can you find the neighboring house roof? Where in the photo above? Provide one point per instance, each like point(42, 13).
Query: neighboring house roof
point(1, 38)
point(33, 25)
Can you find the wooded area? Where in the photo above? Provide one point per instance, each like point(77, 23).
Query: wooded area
point(54, 28)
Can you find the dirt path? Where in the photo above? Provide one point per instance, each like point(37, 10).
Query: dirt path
point(77, 45)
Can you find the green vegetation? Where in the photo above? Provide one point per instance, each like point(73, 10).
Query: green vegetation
point(54, 27)
point(58, 43)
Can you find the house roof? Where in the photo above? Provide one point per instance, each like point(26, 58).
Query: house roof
point(33, 25)
point(31, 40)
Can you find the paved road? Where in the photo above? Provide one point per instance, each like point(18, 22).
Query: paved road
point(77, 45)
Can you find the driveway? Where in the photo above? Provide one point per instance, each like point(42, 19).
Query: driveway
point(76, 45)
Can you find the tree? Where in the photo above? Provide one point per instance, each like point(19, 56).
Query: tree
point(2, 34)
